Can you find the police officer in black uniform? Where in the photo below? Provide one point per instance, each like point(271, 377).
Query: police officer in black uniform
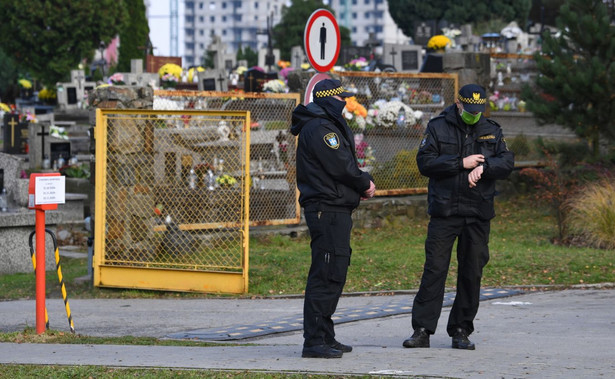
point(330, 185)
point(462, 153)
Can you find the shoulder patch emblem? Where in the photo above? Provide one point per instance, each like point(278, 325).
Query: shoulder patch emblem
point(424, 141)
point(332, 140)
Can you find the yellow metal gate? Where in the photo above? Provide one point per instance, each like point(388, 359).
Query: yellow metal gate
point(172, 195)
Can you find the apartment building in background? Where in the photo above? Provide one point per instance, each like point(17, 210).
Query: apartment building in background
point(238, 23)
point(244, 23)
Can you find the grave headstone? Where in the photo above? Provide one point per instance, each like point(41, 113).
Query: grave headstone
point(15, 135)
point(221, 59)
point(136, 76)
point(59, 150)
point(262, 61)
point(348, 53)
point(72, 95)
point(39, 139)
point(406, 58)
point(424, 31)
point(255, 79)
point(213, 80)
point(12, 166)
point(297, 57)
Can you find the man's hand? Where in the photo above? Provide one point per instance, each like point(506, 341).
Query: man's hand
point(475, 175)
point(472, 161)
point(369, 193)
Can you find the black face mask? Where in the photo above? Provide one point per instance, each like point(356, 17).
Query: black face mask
point(332, 106)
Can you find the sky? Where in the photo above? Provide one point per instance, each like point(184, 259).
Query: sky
point(159, 27)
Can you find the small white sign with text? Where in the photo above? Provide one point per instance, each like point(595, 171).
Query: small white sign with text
point(50, 190)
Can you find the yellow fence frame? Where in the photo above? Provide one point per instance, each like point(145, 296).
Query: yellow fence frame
point(153, 278)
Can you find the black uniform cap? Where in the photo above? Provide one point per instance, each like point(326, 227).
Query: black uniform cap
point(473, 98)
point(330, 87)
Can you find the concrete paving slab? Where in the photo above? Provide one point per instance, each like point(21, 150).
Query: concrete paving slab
point(554, 334)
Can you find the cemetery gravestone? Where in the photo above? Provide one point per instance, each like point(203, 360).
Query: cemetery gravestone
point(213, 80)
point(262, 59)
point(72, 95)
point(348, 53)
point(15, 135)
point(424, 31)
point(407, 58)
point(255, 79)
point(297, 57)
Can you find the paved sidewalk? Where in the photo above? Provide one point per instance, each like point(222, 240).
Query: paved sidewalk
point(555, 334)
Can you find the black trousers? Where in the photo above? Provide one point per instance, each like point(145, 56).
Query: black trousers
point(330, 244)
point(472, 255)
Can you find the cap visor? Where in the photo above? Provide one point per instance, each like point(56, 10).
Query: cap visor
point(473, 108)
point(346, 94)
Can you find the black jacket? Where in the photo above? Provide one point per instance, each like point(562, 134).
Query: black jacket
point(446, 142)
point(328, 176)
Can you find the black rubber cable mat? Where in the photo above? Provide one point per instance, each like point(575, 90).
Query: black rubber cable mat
point(342, 315)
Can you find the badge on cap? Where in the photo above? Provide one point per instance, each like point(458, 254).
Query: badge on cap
point(332, 140)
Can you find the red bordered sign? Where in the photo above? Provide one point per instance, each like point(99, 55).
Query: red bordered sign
point(322, 40)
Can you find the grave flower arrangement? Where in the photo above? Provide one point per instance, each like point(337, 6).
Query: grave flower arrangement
point(47, 95)
point(226, 181)
point(356, 115)
point(170, 68)
point(438, 42)
point(283, 64)
point(396, 114)
point(275, 86)
point(25, 83)
point(117, 79)
point(168, 81)
point(58, 132)
point(365, 153)
point(357, 64)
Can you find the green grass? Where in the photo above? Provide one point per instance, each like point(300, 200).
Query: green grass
point(386, 259)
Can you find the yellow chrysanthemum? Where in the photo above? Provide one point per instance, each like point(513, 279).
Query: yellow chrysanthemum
point(4, 107)
point(25, 83)
point(193, 71)
point(170, 68)
point(438, 42)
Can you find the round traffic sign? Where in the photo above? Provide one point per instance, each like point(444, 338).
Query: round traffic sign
point(322, 40)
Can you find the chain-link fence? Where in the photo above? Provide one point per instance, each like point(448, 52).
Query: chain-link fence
point(172, 199)
point(388, 115)
point(273, 194)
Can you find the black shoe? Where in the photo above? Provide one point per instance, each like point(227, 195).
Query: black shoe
point(341, 347)
point(461, 341)
point(420, 338)
point(320, 351)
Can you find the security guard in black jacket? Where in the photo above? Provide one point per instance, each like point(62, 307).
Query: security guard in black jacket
point(463, 154)
point(330, 185)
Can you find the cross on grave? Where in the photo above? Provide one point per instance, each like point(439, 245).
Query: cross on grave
point(14, 135)
point(393, 54)
point(78, 77)
point(42, 134)
point(12, 123)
